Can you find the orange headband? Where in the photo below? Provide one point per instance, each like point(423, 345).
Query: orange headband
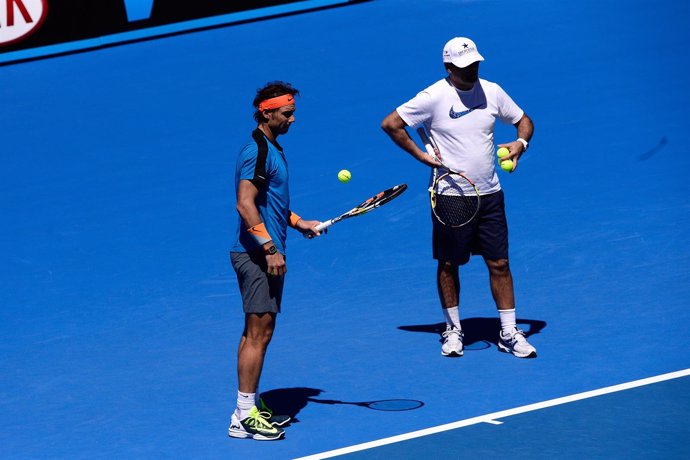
point(276, 102)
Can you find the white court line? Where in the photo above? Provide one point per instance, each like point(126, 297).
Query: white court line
point(491, 418)
point(494, 422)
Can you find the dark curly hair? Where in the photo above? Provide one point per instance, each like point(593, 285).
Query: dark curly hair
point(270, 90)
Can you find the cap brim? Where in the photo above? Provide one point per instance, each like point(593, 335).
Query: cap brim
point(462, 63)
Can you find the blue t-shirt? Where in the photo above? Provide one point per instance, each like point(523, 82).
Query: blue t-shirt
point(263, 163)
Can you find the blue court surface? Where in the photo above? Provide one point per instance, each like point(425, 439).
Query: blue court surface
point(617, 425)
point(119, 310)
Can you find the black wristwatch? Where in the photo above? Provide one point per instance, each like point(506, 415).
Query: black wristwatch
point(270, 250)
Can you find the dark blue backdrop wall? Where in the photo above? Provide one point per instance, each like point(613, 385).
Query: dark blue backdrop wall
point(71, 20)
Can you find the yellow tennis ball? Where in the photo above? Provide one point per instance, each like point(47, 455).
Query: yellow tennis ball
point(502, 152)
point(507, 165)
point(344, 176)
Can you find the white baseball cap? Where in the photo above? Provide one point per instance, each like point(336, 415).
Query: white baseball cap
point(461, 52)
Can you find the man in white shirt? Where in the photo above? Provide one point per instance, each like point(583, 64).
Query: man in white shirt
point(460, 112)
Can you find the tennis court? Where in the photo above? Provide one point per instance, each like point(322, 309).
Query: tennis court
point(119, 310)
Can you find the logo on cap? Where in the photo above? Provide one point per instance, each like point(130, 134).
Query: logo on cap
point(466, 50)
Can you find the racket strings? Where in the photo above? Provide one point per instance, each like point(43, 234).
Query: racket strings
point(456, 210)
point(456, 206)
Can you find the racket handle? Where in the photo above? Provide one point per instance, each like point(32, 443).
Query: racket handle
point(427, 143)
point(323, 225)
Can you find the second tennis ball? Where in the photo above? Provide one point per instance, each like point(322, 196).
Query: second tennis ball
point(507, 165)
point(344, 176)
point(502, 152)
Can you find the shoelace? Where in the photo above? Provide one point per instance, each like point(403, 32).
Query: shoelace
point(451, 331)
point(518, 337)
point(265, 410)
point(259, 420)
point(266, 414)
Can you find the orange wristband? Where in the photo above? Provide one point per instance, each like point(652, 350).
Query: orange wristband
point(294, 218)
point(260, 233)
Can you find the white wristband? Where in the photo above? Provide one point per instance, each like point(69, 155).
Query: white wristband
point(523, 142)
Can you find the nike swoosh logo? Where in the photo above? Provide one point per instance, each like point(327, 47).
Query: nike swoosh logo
point(453, 114)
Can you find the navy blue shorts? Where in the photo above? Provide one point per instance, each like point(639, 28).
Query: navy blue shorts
point(486, 235)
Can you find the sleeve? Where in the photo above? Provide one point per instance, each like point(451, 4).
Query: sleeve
point(247, 165)
point(508, 110)
point(417, 110)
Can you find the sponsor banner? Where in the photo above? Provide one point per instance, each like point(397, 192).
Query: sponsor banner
point(19, 19)
point(31, 29)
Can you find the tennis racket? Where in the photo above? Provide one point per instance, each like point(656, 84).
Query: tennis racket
point(370, 204)
point(454, 197)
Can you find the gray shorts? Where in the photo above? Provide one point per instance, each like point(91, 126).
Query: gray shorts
point(261, 293)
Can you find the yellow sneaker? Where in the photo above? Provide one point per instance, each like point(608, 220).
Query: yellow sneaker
point(254, 426)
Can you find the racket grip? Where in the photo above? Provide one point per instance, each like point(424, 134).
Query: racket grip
point(323, 225)
point(427, 143)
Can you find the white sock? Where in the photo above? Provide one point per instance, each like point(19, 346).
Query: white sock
point(508, 323)
point(452, 315)
point(245, 402)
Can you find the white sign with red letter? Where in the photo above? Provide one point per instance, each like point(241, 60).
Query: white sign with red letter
point(20, 18)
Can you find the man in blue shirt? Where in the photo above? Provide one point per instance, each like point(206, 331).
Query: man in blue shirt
point(258, 256)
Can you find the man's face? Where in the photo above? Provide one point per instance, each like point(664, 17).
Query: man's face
point(281, 118)
point(466, 76)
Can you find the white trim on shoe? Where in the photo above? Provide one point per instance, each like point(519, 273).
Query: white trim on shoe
point(237, 427)
point(516, 344)
point(452, 337)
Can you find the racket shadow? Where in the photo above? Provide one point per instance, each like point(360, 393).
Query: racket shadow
point(480, 333)
point(654, 150)
point(290, 401)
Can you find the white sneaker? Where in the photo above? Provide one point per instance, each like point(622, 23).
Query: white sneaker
point(452, 342)
point(516, 343)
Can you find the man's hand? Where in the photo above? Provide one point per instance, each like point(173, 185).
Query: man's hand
point(431, 161)
point(394, 126)
point(516, 150)
point(308, 228)
point(276, 264)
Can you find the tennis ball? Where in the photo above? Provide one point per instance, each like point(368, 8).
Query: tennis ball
point(344, 176)
point(507, 165)
point(502, 152)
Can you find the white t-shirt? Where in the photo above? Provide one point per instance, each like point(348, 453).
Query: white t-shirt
point(462, 125)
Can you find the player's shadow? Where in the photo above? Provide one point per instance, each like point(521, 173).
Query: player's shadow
point(480, 333)
point(290, 401)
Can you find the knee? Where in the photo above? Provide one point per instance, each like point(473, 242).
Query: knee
point(258, 330)
point(500, 267)
point(260, 338)
point(446, 267)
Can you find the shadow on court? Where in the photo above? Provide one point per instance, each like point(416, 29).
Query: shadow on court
point(654, 150)
point(479, 330)
point(290, 401)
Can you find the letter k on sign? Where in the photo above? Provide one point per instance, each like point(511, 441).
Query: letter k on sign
point(20, 18)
